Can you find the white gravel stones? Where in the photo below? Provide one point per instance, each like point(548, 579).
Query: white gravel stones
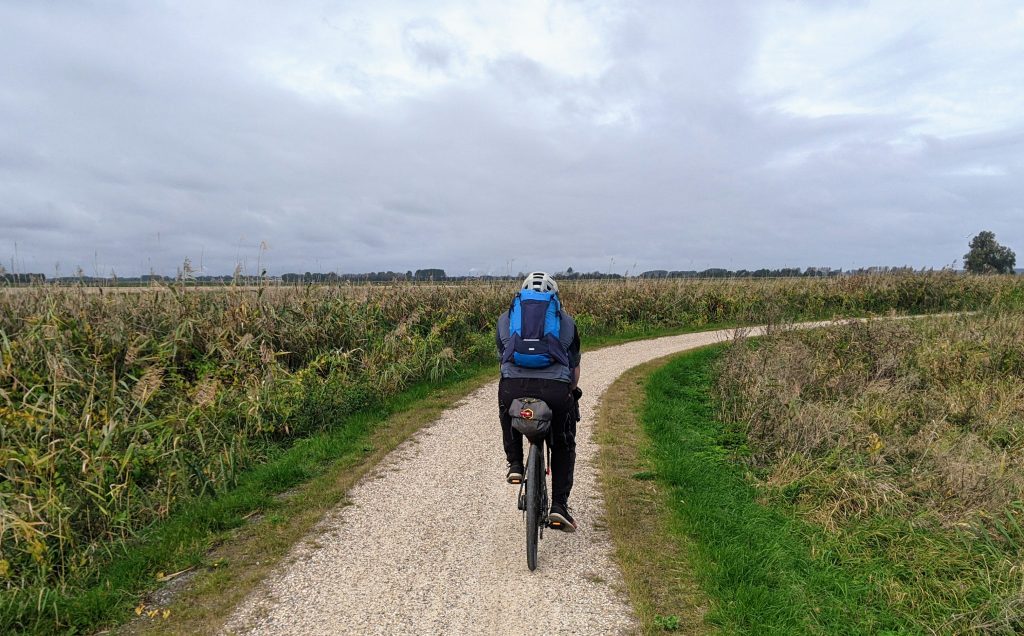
point(433, 542)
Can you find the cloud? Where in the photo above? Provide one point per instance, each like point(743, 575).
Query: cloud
point(430, 45)
point(364, 137)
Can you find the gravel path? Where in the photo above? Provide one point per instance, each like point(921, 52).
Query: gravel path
point(433, 542)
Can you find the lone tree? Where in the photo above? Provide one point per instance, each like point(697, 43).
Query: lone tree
point(987, 256)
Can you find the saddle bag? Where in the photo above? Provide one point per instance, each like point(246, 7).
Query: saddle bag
point(531, 417)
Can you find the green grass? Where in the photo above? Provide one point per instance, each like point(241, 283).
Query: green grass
point(764, 571)
point(655, 563)
point(765, 563)
point(901, 444)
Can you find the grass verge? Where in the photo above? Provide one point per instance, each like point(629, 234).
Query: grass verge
point(654, 561)
point(763, 572)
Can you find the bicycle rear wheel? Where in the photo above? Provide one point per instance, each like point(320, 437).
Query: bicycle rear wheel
point(534, 481)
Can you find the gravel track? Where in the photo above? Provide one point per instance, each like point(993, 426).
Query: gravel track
point(432, 542)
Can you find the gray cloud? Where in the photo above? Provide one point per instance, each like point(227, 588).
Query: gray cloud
point(430, 45)
point(132, 136)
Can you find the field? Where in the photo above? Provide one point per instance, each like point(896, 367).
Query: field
point(118, 409)
point(856, 479)
point(902, 442)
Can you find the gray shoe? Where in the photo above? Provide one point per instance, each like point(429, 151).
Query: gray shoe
point(515, 473)
point(560, 519)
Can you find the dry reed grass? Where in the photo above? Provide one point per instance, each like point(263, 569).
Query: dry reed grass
point(906, 441)
point(937, 405)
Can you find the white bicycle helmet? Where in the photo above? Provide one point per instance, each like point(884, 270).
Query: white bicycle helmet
point(541, 282)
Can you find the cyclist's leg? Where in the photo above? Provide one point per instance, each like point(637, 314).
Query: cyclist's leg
point(563, 459)
point(563, 440)
point(512, 440)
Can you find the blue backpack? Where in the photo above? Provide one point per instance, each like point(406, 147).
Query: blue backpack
point(535, 324)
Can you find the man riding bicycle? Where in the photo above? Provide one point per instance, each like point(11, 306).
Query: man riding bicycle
point(551, 377)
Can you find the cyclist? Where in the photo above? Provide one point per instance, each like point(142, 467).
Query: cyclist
point(553, 380)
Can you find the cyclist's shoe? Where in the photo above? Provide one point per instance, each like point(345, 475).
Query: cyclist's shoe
point(560, 519)
point(515, 473)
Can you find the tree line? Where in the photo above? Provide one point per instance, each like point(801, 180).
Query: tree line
point(985, 256)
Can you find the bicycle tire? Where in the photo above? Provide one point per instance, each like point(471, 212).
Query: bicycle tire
point(534, 480)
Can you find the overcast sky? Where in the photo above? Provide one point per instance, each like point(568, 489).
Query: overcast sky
point(357, 136)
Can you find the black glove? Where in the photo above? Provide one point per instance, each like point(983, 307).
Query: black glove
point(577, 393)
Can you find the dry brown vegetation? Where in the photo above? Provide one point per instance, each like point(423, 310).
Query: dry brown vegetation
point(904, 440)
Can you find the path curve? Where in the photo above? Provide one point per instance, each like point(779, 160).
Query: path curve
point(432, 542)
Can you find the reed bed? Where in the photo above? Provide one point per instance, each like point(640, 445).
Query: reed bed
point(117, 407)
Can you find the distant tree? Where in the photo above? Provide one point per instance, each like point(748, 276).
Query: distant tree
point(987, 256)
point(655, 273)
point(430, 274)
